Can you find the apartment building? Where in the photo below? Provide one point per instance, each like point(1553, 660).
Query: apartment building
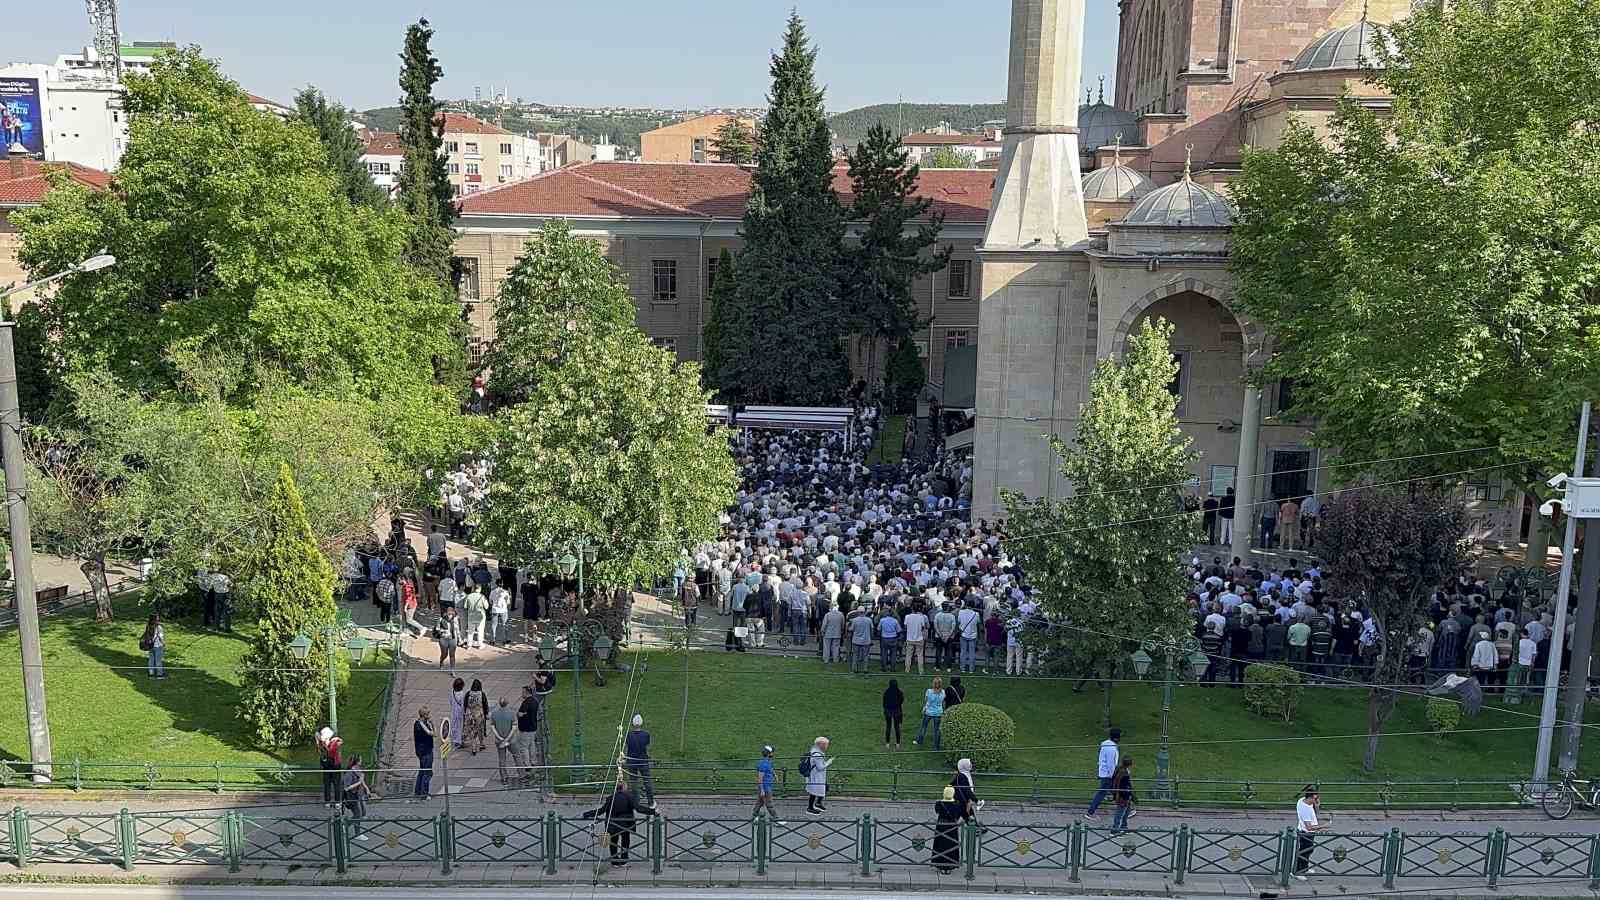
point(690, 141)
point(23, 184)
point(665, 226)
point(383, 156)
point(479, 155)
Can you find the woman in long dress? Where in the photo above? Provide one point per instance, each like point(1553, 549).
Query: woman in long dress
point(947, 832)
point(476, 718)
point(458, 713)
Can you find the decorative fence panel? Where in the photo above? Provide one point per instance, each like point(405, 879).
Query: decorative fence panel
point(903, 843)
point(287, 841)
point(1549, 855)
point(75, 839)
point(584, 840)
point(174, 839)
point(517, 841)
point(1235, 852)
point(816, 841)
point(1352, 853)
point(1444, 855)
point(408, 840)
point(703, 842)
point(1025, 846)
point(1134, 850)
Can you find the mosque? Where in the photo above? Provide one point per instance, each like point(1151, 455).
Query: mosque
point(1107, 214)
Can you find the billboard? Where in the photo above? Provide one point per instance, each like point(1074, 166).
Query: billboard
point(21, 118)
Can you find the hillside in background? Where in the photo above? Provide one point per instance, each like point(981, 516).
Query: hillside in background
point(851, 126)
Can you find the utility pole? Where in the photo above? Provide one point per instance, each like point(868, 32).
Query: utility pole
point(1552, 677)
point(19, 526)
point(1582, 642)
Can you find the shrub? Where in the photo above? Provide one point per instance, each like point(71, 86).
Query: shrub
point(1444, 716)
point(1272, 690)
point(979, 732)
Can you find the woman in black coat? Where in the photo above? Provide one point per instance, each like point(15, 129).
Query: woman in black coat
point(619, 811)
point(947, 832)
point(894, 702)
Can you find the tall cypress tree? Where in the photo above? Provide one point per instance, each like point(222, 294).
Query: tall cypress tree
point(425, 192)
point(784, 340)
point(331, 121)
point(881, 269)
point(722, 301)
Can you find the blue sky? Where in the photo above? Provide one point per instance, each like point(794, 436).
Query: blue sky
point(680, 53)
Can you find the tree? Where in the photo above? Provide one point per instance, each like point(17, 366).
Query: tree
point(1107, 560)
point(721, 299)
point(231, 236)
point(288, 580)
point(1431, 279)
point(1392, 548)
point(904, 376)
point(611, 446)
point(788, 287)
point(947, 158)
point(896, 245)
point(734, 142)
point(561, 291)
point(331, 121)
point(424, 185)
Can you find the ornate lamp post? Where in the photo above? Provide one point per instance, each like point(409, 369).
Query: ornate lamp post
point(356, 646)
point(1187, 654)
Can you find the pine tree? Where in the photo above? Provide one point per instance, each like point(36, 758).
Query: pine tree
point(290, 584)
point(904, 375)
point(883, 266)
point(723, 305)
point(734, 142)
point(786, 343)
point(425, 192)
point(331, 121)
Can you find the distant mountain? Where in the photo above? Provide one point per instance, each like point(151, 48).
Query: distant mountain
point(851, 126)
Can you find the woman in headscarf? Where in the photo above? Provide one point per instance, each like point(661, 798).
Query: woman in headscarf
point(458, 713)
point(965, 793)
point(475, 720)
point(947, 832)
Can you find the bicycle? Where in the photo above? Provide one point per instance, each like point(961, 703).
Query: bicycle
point(1559, 799)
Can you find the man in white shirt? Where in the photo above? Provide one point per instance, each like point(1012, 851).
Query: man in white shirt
point(499, 612)
point(1105, 769)
point(1306, 828)
point(916, 638)
point(1484, 661)
point(967, 621)
point(476, 607)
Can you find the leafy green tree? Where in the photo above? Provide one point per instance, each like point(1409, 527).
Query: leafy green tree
point(722, 299)
point(897, 244)
point(788, 286)
point(611, 446)
point(562, 291)
point(231, 236)
point(1106, 559)
point(734, 142)
point(288, 580)
point(39, 371)
point(948, 158)
point(332, 124)
point(904, 377)
point(1431, 278)
point(424, 185)
point(1393, 548)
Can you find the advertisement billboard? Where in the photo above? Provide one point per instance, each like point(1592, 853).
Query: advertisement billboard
point(21, 118)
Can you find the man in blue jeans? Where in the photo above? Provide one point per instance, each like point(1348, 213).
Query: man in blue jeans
point(422, 743)
point(860, 640)
point(967, 623)
point(888, 642)
point(1106, 770)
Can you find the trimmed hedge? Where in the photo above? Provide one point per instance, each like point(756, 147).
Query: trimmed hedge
point(1272, 690)
point(1444, 715)
point(979, 732)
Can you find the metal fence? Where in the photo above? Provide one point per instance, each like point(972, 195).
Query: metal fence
point(868, 845)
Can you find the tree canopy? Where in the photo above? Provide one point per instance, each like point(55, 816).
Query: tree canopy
point(946, 158)
point(425, 192)
point(735, 142)
point(331, 121)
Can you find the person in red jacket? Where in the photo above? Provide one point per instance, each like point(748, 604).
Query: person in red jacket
point(330, 750)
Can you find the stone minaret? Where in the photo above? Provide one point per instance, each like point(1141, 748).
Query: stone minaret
point(1036, 321)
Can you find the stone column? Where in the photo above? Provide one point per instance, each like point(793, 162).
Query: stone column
point(1244, 479)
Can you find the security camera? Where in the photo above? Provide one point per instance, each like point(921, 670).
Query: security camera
point(1556, 481)
point(1548, 508)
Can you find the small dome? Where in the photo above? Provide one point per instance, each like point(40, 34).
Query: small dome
point(1182, 203)
point(1351, 47)
point(1116, 182)
point(1100, 123)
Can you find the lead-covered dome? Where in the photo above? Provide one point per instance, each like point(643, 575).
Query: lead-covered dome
point(1351, 47)
point(1115, 183)
point(1182, 203)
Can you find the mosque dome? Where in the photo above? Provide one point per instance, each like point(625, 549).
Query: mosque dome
point(1182, 203)
point(1100, 123)
point(1116, 182)
point(1351, 47)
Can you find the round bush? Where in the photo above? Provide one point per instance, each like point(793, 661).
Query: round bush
point(1444, 716)
point(979, 732)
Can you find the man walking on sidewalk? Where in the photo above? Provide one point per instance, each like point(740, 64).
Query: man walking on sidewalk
point(1106, 770)
point(764, 777)
point(1305, 832)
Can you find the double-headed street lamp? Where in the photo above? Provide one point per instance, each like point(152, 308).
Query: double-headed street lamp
point(600, 645)
point(21, 530)
point(1187, 654)
point(356, 646)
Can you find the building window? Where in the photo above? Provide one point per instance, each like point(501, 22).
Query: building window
point(669, 344)
point(455, 168)
point(957, 337)
point(1484, 485)
point(1221, 479)
point(452, 147)
point(960, 284)
point(505, 149)
point(475, 350)
point(472, 148)
point(1179, 380)
point(467, 286)
point(378, 168)
point(474, 188)
point(664, 274)
point(472, 168)
point(1285, 406)
point(712, 262)
point(505, 170)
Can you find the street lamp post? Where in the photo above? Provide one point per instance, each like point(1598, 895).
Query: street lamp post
point(20, 528)
point(1196, 662)
point(357, 647)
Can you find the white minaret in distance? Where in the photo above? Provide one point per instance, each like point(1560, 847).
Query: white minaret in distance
point(1036, 318)
point(1037, 198)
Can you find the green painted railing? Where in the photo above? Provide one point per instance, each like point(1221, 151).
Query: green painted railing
point(865, 845)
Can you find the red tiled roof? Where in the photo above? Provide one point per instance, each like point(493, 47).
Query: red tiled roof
point(694, 190)
point(25, 181)
point(461, 123)
point(384, 143)
point(945, 140)
point(262, 101)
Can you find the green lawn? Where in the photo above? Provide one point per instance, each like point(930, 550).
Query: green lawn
point(104, 708)
point(739, 702)
point(890, 442)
